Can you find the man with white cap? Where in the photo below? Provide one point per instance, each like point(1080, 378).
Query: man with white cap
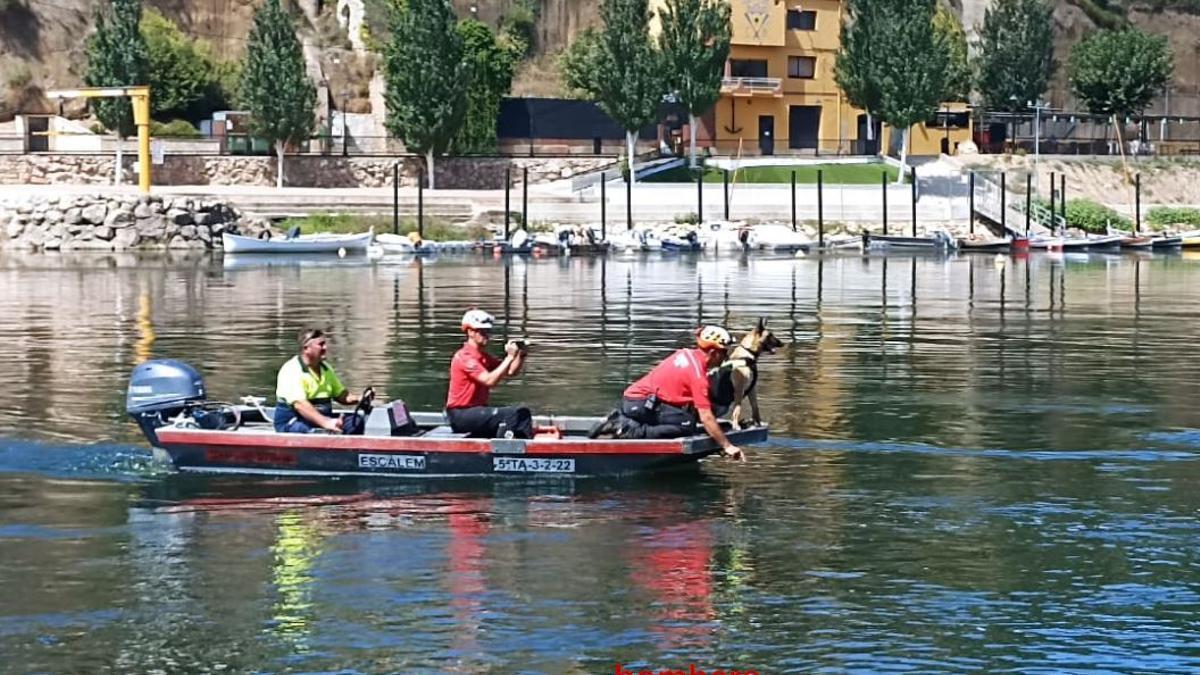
point(473, 374)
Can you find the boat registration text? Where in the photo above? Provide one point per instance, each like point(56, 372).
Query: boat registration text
point(401, 462)
point(533, 464)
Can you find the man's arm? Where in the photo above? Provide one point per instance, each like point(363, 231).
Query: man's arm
point(306, 410)
point(714, 429)
point(346, 398)
point(491, 378)
point(517, 364)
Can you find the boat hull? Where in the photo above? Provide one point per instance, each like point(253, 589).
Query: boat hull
point(269, 453)
point(358, 243)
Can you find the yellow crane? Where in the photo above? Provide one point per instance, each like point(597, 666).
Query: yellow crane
point(140, 96)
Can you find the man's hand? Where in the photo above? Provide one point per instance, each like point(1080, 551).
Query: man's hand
point(733, 452)
point(511, 348)
point(333, 425)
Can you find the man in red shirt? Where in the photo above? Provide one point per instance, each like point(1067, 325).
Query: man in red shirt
point(473, 373)
point(672, 400)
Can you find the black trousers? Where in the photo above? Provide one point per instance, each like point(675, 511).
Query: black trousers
point(650, 419)
point(491, 422)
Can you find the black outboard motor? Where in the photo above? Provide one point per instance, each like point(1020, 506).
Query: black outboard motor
point(159, 391)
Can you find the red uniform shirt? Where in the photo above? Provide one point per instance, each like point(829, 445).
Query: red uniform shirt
point(679, 380)
point(467, 364)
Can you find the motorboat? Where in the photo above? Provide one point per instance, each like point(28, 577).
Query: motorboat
point(167, 399)
point(298, 243)
point(779, 237)
point(978, 244)
point(940, 240)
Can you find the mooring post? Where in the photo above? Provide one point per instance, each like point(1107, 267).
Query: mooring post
point(629, 200)
point(725, 189)
point(421, 203)
point(1137, 208)
point(1053, 194)
point(1028, 201)
point(396, 198)
point(525, 197)
point(507, 199)
point(1062, 196)
point(971, 205)
point(1004, 202)
point(793, 201)
point(700, 196)
point(883, 182)
point(820, 207)
point(914, 200)
point(603, 207)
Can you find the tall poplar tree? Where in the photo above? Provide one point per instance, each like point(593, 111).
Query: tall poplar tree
point(492, 62)
point(427, 78)
point(1015, 57)
point(895, 61)
point(695, 44)
point(117, 57)
point(855, 68)
point(619, 68)
point(275, 85)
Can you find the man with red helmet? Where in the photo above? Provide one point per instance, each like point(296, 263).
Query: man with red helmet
point(672, 400)
point(473, 374)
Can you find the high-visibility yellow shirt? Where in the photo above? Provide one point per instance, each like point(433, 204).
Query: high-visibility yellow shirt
point(297, 383)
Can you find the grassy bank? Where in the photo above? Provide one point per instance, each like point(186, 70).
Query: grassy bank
point(435, 229)
point(834, 174)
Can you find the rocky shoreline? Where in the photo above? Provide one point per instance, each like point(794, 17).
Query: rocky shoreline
point(119, 223)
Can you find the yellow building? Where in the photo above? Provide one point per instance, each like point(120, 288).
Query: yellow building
point(779, 95)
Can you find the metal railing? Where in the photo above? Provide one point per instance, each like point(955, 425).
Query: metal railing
point(749, 86)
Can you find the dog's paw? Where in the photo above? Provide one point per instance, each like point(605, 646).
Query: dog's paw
point(737, 426)
point(758, 423)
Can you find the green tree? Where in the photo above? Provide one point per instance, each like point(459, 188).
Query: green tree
point(491, 63)
point(695, 43)
point(117, 57)
point(275, 86)
point(950, 33)
point(1015, 56)
point(1119, 72)
point(185, 79)
point(893, 63)
point(855, 69)
point(427, 78)
point(618, 67)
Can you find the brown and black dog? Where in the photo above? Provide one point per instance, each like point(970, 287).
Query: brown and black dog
point(735, 380)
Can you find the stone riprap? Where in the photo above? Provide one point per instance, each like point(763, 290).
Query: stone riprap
point(318, 171)
point(118, 223)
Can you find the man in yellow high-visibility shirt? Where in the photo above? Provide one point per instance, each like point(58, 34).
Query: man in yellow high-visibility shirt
point(307, 387)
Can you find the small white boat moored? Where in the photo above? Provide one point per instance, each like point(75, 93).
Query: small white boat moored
point(305, 243)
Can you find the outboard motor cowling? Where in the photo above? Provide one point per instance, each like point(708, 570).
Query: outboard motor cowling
point(159, 390)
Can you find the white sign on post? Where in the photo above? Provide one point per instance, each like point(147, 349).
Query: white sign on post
point(158, 151)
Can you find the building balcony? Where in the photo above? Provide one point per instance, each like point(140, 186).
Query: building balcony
point(752, 86)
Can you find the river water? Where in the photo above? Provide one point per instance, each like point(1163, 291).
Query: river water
point(976, 464)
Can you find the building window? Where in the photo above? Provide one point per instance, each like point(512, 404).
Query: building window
point(802, 67)
point(747, 68)
point(801, 19)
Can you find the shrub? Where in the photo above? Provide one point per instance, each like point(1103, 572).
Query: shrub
point(520, 25)
point(1095, 218)
point(173, 129)
point(1167, 216)
point(687, 218)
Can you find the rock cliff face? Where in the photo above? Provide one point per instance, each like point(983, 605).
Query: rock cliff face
point(41, 41)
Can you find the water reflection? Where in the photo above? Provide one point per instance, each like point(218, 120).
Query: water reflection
point(978, 463)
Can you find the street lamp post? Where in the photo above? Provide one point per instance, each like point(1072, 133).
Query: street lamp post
point(1038, 107)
